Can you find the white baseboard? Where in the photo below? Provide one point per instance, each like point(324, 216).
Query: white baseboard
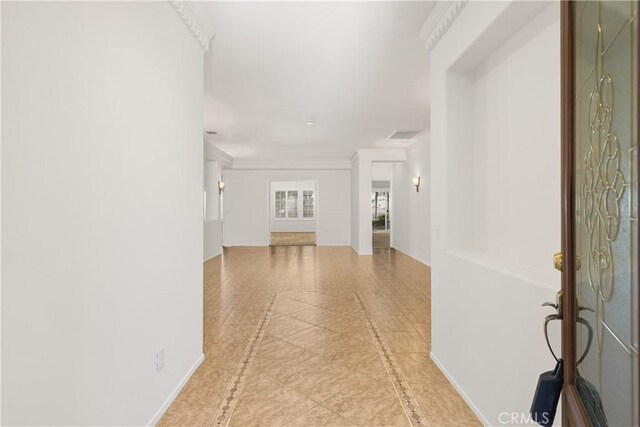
point(363, 253)
point(213, 256)
point(154, 420)
point(410, 256)
point(459, 389)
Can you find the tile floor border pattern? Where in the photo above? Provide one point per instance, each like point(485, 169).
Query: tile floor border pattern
point(407, 399)
point(234, 388)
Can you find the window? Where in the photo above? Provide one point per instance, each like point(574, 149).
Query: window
point(292, 204)
point(293, 201)
point(307, 204)
point(280, 204)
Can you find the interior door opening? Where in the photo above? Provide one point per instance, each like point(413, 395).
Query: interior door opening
point(380, 214)
point(293, 218)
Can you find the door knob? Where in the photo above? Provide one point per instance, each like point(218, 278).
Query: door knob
point(558, 261)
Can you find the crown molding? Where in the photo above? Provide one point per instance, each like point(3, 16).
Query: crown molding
point(195, 20)
point(325, 164)
point(381, 154)
point(439, 21)
point(211, 152)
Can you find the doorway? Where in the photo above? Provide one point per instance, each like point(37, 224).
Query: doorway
point(293, 219)
point(380, 214)
point(381, 205)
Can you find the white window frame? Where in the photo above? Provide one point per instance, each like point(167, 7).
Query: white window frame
point(300, 187)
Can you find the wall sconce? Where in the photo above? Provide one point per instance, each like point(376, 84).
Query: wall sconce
point(416, 182)
point(220, 186)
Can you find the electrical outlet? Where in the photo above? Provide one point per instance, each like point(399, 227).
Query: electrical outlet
point(437, 232)
point(160, 360)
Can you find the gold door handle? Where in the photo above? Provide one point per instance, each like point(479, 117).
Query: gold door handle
point(558, 261)
point(556, 316)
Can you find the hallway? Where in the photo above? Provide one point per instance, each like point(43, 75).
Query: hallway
point(381, 239)
point(463, 175)
point(297, 336)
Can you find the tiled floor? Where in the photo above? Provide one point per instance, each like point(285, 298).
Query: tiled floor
point(317, 336)
point(381, 239)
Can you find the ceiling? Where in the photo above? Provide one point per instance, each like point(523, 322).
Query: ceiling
point(357, 70)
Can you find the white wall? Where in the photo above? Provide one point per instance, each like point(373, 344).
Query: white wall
point(411, 213)
point(0, 235)
point(495, 160)
point(212, 238)
point(361, 216)
point(382, 171)
point(293, 226)
point(212, 221)
point(355, 205)
point(212, 174)
point(101, 210)
point(246, 205)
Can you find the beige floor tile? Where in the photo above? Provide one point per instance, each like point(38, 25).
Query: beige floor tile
point(193, 406)
point(275, 359)
point(352, 330)
point(393, 323)
point(318, 380)
point(313, 298)
point(425, 331)
point(346, 344)
point(288, 306)
point(420, 368)
point(379, 374)
point(421, 315)
point(319, 417)
point(317, 348)
point(365, 361)
point(368, 403)
point(285, 326)
point(383, 308)
point(347, 306)
point(234, 333)
point(315, 315)
point(276, 315)
point(314, 338)
point(224, 355)
point(206, 386)
point(180, 416)
point(405, 342)
point(268, 338)
point(352, 317)
point(442, 405)
point(250, 317)
point(265, 402)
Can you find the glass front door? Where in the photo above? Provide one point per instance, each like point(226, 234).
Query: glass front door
point(605, 220)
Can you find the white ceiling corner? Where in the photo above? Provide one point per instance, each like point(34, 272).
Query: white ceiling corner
point(381, 154)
